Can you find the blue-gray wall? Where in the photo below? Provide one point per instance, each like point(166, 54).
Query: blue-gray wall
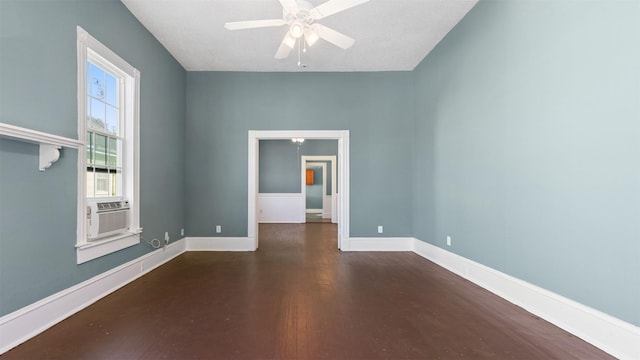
point(526, 146)
point(38, 90)
point(279, 168)
point(223, 106)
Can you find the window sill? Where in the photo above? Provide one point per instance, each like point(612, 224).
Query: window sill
point(95, 249)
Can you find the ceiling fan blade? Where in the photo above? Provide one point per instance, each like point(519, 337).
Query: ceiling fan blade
point(285, 47)
point(289, 5)
point(241, 25)
point(333, 6)
point(332, 36)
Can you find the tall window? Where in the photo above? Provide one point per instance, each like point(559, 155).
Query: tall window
point(108, 171)
point(104, 131)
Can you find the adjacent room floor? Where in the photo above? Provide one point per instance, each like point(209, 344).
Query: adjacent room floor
point(317, 218)
point(298, 297)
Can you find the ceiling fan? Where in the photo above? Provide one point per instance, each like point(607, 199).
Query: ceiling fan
point(301, 18)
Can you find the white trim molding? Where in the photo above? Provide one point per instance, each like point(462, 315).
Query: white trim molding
point(49, 144)
point(93, 250)
point(379, 244)
point(610, 334)
point(220, 244)
point(330, 208)
point(23, 324)
point(37, 137)
point(327, 206)
point(254, 136)
point(305, 165)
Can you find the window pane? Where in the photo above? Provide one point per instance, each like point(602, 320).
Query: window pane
point(100, 143)
point(97, 120)
point(97, 82)
point(113, 123)
point(112, 90)
point(113, 153)
point(102, 184)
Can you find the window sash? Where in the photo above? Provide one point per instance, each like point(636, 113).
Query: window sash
point(105, 122)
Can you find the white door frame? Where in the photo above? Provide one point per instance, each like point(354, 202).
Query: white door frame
point(324, 183)
point(334, 193)
point(343, 175)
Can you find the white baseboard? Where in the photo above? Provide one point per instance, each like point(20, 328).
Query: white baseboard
point(378, 244)
point(23, 324)
point(282, 221)
point(220, 244)
point(610, 334)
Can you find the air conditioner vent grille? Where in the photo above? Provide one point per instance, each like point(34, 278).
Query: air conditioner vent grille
point(107, 218)
point(112, 205)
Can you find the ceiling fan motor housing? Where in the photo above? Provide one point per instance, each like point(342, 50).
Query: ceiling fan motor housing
point(299, 18)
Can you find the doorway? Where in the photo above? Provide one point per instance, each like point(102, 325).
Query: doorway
point(316, 206)
point(330, 199)
point(342, 181)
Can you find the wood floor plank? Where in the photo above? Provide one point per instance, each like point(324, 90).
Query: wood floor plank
point(298, 297)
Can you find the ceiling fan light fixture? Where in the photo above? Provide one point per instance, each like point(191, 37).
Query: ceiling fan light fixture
point(311, 37)
point(297, 29)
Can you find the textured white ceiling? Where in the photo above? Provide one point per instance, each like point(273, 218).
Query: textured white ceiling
point(391, 35)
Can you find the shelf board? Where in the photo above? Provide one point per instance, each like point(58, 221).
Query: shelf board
point(49, 144)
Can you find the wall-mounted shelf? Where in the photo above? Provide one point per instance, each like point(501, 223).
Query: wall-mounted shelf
point(49, 144)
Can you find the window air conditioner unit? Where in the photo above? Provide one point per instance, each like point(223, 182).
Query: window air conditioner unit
point(106, 218)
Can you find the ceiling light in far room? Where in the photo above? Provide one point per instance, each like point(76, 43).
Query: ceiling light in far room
point(298, 141)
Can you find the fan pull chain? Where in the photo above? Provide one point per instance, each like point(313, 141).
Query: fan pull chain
point(299, 52)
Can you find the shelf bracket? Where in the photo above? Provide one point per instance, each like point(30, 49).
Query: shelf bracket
point(48, 155)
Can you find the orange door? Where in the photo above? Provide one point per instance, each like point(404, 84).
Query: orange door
point(309, 177)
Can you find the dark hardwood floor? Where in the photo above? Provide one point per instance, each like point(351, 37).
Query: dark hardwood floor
point(298, 297)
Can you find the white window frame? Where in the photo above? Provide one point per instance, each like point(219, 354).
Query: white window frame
point(91, 49)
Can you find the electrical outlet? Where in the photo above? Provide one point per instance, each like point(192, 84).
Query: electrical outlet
point(181, 232)
point(448, 240)
point(218, 229)
point(380, 229)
